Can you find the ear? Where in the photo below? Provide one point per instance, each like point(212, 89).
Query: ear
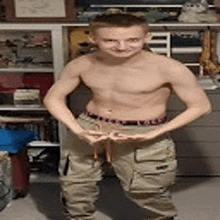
point(148, 37)
point(91, 38)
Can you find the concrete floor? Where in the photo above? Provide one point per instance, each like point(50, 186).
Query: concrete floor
point(196, 199)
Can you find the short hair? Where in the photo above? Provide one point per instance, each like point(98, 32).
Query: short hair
point(118, 20)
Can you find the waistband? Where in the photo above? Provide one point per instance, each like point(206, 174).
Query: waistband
point(156, 121)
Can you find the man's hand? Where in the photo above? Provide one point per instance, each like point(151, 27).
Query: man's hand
point(123, 137)
point(93, 137)
point(96, 137)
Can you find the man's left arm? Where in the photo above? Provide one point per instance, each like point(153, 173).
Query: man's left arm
point(188, 90)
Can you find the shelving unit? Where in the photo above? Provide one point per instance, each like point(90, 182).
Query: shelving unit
point(58, 60)
point(60, 51)
point(164, 46)
point(58, 40)
point(23, 70)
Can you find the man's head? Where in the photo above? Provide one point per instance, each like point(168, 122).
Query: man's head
point(119, 34)
point(118, 20)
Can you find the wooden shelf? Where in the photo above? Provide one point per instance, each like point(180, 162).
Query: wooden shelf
point(22, 69)
point(22, 108)
point(42, 144)
point(176, 26)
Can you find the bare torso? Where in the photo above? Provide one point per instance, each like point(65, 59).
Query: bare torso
point(136, 90)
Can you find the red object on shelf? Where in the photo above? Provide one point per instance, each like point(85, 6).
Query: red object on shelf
point(11, 81)
point(42, 81)
point(20, 173)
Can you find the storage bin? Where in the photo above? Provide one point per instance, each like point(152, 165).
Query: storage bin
point(14, 141)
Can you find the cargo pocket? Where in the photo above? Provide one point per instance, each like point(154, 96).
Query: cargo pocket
point(155, 167)
point(64, 163)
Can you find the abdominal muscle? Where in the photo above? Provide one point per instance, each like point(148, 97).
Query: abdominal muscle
point(122, 106)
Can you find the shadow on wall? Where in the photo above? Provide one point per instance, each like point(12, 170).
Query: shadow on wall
point(193, 161)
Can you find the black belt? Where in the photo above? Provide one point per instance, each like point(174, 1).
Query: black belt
point(127, 122)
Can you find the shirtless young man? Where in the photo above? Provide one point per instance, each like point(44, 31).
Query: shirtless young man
point(130, 89)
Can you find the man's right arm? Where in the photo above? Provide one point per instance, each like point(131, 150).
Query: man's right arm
point(55, 99)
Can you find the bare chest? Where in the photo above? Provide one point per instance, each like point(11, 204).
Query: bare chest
point(123, 79)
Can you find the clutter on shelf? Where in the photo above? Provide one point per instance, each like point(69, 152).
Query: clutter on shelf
point(197, 12)
point(28, 49)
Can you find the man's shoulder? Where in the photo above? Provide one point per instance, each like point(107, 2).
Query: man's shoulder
point(172, 69)
point(82, 60)
point(158, 58)
point(167, 64)
point(78, 65)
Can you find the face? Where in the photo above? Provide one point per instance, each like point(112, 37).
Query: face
point(120, 42)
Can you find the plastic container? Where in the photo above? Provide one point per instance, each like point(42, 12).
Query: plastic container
point(14, 141)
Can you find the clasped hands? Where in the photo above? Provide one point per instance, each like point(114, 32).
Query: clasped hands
point(98, 137)
point(104, 135)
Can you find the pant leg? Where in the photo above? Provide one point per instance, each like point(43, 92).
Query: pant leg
point(79, 187)
point(79, 174)
point(145, 171)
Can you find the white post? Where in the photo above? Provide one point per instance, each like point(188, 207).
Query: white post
point(60, 51)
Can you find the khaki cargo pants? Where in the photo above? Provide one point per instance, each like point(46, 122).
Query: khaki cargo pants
point(145, 170)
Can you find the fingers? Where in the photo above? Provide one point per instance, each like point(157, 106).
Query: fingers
point(96, 133)
point(121, 137)
point(93, 137)
point(118, 137)
point(99, 140)
point(97, 137)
